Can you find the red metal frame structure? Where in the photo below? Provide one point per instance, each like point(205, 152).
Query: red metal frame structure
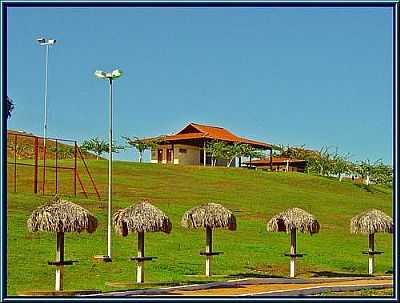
point(56, 167)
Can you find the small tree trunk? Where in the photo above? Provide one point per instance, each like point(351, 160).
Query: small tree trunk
point(140, 157)
point(340, 177)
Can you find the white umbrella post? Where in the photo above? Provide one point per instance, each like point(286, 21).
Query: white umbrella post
point(60, 260)
point(371, 250)
point(292, 252)
point(140, 261)
point(209, 251)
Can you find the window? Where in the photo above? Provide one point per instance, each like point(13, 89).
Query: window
point(182, 151)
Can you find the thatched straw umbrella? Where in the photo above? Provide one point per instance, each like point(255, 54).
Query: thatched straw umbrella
point(370, 222)
point(293, 219)
point(61, 216)
point(140, 218)
point(209, 216)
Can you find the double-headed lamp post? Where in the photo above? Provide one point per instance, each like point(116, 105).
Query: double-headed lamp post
point(47, 43)
point(109, 76)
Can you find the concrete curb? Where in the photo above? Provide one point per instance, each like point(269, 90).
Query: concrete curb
point(318, 289)
point(238, 283)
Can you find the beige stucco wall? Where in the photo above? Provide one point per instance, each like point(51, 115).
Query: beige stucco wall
point(190, 157)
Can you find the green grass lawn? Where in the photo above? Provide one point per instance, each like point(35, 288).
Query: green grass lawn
point(253, 196)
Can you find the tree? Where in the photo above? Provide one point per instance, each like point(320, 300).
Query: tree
point(222, 150)
point(99, 146)
point(10, 106)
point(323, 161)
point(340, 165)
point(231, 151)
point(365, 169)
point(376, 172)
point(142, 145)
point(251, 152)
point(216, 150)
point(382, 174)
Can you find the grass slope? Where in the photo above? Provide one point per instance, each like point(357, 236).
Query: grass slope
point(254, 196)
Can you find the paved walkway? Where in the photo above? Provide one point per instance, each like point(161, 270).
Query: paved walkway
point(264, 287)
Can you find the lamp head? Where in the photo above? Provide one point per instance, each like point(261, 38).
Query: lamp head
point(51, 41)
point(116, 74)
point(100, 74)
point(104, 75)
point(41, 40)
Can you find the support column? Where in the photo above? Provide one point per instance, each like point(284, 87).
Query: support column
point(270, 159)
point(292, 252)
point(208, 250)
point(173, 154)
point(204, 154)
point(140, 263)
point(60, 258)
point(371, 248)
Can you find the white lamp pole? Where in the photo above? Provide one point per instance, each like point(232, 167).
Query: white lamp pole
point(47, 43)
point(110, 76)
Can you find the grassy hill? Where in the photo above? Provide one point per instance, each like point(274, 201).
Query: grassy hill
point(251, 251)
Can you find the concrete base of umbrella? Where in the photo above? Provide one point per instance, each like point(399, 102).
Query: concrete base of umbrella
point(140, 259)
point(102, 258)
point(60, 263)
point(209, 252)
point(371, 253)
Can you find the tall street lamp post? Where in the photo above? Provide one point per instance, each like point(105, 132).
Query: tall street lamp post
point(47, 43)
point(110, 77)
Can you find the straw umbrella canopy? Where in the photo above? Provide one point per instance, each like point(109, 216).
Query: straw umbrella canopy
point(291, 220)
point(140, 218)
point(60, 216)
point(209, 216)
point(370, 222)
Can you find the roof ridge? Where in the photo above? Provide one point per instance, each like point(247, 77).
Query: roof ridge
point(207, 125)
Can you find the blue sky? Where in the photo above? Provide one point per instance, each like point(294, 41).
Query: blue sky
point(312, 76)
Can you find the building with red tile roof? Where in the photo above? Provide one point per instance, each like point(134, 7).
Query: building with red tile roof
point(278, 164)
point(188, 145)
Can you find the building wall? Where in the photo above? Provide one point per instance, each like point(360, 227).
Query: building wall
point(186, 154)
point(182, 154)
